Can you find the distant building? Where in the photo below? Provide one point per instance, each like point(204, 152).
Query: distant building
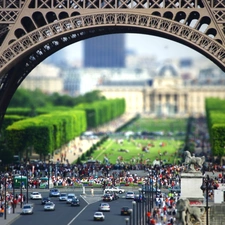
point(71, 81)
point(44, 77)
point(166, 94)
point(107, 51)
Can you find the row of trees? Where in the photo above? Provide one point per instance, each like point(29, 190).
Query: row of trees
point(215, 109)
point(45, 129)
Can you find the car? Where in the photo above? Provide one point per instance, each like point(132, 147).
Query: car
point(99, 216)
point(49, 206)
point(70, 196)
point(115, 196)
point(63, 197)
point(107, 197)
point(45, 199)
point(139, 198)
point(54, 193)
point(125, 210)
point(130, 195)
point(104, 207)
point(176, 189)
point(35, 195)
point(75, 201)
point(114, 189)
point(27, 209)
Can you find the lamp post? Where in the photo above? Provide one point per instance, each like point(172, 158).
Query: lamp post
point(133, 214)
point(127, 220)
point(27, 185)
point(13, 186)
point(137, 213)
point(205, 188)
point(21, 191)
point(6, 176)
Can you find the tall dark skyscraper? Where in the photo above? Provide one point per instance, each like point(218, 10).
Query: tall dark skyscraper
point(105, 51)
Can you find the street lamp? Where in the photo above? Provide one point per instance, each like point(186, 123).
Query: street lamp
point(6, 176)
point(13, 186)
point(21, 192)
point(206, 186)
point(127, 220)
point(133, 203)
point(131, 213)
point(27, 184)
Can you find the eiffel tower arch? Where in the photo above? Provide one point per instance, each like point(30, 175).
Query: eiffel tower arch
point(32, 30)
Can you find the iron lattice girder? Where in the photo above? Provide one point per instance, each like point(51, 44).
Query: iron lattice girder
point(31, 30)
point(168, 28)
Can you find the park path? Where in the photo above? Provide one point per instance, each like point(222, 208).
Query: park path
point(77, 147)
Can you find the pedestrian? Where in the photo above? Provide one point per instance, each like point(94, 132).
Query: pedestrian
point(24, 198)
point(92, 191)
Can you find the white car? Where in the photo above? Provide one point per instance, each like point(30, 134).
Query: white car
point(35, 195)
point(114, 189)
point(70, 197)
point(49, 206)
point(130, 194)
point(99, 216)
point(63, 197)
point(27, 209)
point(104, 207)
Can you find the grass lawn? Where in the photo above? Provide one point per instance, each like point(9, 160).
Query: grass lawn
point(166, 149)
point(153, 125)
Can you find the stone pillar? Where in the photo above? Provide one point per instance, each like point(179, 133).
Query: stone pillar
point(191, 187)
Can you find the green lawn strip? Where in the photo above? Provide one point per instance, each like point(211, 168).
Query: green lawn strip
point(133, 153)
point(153, 125)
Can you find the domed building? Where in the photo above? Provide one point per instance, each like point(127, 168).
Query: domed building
point(165, 93)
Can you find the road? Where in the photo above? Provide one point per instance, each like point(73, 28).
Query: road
point(82, 215)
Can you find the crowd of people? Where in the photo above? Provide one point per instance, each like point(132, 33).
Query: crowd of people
point(102, 175)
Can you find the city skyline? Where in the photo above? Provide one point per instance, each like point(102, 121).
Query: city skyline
point(142, 45)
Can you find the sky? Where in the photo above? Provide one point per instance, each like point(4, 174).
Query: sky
point(143, 45)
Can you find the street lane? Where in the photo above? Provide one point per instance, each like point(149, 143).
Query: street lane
point(81, 215)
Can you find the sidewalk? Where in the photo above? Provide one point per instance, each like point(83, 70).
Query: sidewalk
point(10, 217)
point(77, 147)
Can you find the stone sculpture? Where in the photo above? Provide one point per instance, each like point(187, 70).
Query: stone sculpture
point(187, 214)
point(193, 163)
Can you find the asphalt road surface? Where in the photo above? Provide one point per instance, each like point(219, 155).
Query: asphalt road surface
point(64, 214)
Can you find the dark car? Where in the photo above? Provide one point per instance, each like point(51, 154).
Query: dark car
point(139, 198)
point(107, 197)
point(54, 193)
point(75, 202)
point(115, 196)
point(125, 210)
point(45, 199)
